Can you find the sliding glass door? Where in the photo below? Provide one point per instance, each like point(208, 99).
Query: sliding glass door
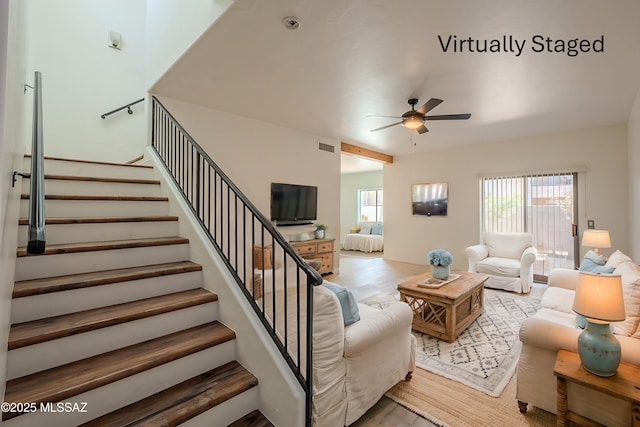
point(544, 205)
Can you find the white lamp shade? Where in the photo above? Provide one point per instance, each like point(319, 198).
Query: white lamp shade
point(599, 297)
point(596, 239)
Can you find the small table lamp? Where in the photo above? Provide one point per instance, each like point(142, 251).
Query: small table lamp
point(596, 239)
point(599, 299)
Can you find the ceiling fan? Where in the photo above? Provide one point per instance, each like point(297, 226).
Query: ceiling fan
point(415, 119)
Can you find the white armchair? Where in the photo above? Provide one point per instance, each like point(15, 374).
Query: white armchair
point(353, 366)
point(507, 258)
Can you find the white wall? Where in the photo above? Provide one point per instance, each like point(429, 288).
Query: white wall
point(350, 183)
point(83, 78)
point(173, 26)
point(12, 101)
point(634, 180)
point(602, 192)
point(254, 154)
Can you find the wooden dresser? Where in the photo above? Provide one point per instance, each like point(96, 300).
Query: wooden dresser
point(317, 250)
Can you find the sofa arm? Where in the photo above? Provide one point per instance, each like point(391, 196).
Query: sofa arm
point(375, 327)
point(528, 257)
point(563, 278)
point(475, 254)
point(549, 335)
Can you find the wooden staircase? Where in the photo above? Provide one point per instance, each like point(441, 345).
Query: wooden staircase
point(111, 325)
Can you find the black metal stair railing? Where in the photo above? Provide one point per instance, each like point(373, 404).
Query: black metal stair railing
point(276, 281)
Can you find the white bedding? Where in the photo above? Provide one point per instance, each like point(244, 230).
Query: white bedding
point(363, 242)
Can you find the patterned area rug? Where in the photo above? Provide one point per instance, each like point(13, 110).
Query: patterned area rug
point(485, 355)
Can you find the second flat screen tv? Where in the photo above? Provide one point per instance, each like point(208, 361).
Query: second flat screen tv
point(293, 204)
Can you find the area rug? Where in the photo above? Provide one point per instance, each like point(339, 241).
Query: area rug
point(485, 355)
point(448, 403)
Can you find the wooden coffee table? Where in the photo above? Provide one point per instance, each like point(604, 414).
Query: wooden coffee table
point(446, 311)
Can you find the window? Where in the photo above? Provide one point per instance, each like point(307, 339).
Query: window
point(543, 205)
point(370, 205)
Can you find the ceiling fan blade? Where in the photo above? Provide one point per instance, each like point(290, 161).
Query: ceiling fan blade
point(422, 129)
point(449, 117)
point(385, 117)
point(384, 127)
point(429, 105)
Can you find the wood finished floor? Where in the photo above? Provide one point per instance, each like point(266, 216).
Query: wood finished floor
point(368, 275)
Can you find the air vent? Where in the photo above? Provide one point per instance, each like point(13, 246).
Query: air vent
point(326, 147)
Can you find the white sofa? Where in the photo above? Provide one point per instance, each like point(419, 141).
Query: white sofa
point(554, 327)
point(353, 366)
point(507, 258)
point(368, 239)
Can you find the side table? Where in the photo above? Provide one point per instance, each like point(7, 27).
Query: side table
point(625, 385)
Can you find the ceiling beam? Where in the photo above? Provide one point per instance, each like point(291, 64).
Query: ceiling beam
point(366, 153)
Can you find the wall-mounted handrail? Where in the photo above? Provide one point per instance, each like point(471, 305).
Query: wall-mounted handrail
point(127, 106)
point(37, 242)
point(276, 281)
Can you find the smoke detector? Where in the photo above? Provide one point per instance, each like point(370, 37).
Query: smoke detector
point(291, 22)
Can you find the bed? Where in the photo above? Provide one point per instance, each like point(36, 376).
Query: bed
point(369, 239)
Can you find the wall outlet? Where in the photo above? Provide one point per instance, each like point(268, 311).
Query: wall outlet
point(591, 224)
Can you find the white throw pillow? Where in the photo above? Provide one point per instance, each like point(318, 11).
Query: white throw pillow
point(366, 229)
point(630, 273)
point(616, 259)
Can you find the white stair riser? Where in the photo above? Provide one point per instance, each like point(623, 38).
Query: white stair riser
point(121, 393)
point(36, 267)
point(63, 167)
point(35, 307)
point(98, 208)
point(99, 232)
point(226, 412)
point(94, 188)
point(27, 360)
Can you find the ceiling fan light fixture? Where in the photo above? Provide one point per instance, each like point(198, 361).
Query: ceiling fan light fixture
point(412, 122)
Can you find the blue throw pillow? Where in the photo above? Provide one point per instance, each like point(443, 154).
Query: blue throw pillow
point(593, 263)
point(350, 311)
point(376, 229)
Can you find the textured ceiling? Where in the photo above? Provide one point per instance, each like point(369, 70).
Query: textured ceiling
point(353, 58)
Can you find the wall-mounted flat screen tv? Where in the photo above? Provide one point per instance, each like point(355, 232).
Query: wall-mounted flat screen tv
point(430, 199)
point(293, 204)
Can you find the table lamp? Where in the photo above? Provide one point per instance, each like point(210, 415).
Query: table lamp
point(599, 299)
point(596, 239)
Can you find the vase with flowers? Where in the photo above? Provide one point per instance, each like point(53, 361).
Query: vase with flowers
point(440, 261)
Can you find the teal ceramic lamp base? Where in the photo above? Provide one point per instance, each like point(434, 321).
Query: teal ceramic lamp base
point(599, 350)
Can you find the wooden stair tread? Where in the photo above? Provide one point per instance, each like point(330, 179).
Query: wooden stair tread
point(92, 162)
point(66, 248)
point(96, 179)
point(51, 328)
point(62, 382)
point(46, 285)
point(183, 401)
point(101, 220)
point(252, 419)
point(101, 198)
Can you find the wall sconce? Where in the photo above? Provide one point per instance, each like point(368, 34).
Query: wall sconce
point(115, 39)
